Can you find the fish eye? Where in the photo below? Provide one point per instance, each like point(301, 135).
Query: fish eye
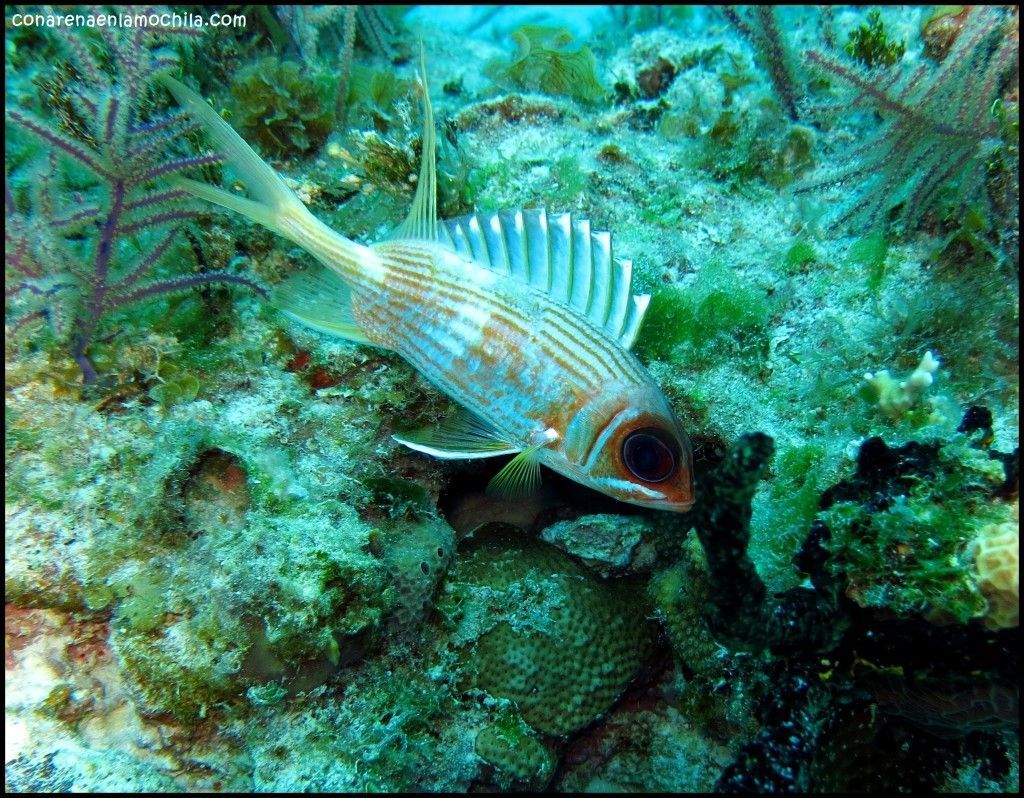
point(650, 455)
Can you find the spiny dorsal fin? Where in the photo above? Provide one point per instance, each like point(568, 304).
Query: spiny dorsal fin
point(421, 223)
point(557, 254)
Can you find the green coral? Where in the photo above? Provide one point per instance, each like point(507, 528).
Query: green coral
point(542, 63)
point(283, 107)
point(515, 751)
point(541, 631)
point(870, 43)
point(679, 594)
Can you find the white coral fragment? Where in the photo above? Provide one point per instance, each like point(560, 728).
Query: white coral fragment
point(894, 398)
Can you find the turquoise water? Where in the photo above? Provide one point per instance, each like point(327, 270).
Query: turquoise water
point(225, 572)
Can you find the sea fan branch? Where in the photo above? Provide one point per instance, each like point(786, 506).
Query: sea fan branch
point(51, 272)
point(936, 125)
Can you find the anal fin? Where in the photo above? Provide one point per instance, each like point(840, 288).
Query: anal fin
point(461, 436)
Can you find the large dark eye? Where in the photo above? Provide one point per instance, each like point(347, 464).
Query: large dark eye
point(648, 455)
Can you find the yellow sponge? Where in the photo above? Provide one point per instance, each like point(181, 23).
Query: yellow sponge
point(997, 560)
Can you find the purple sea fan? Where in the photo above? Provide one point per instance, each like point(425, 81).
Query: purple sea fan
point(76, 256)
point(936, 126)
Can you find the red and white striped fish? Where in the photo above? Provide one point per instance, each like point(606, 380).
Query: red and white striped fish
point(523, 318)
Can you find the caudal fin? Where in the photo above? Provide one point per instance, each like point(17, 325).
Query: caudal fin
point(272, 201)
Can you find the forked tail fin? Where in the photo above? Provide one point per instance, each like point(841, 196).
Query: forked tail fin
point(270, 203)
point(272, 199)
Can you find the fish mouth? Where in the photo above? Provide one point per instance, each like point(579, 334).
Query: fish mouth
point(674, 507)
point(665, 505)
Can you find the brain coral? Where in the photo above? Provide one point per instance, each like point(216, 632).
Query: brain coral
point(997, 560)
point(549, 636)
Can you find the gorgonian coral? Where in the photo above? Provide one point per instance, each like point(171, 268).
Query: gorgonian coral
point(74, 256)
point(937, 124)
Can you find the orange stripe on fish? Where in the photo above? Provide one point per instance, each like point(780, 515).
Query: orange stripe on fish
point(524, 318)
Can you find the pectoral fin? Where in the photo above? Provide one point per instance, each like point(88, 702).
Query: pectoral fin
point(520, 476)
point(461, 436)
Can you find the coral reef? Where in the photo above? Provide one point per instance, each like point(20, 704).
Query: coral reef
point(903, 542)
point(895, 397)
point(541, 632)
point(996, 554)
point(222, 574)
point(919, 149)
point(970, 692)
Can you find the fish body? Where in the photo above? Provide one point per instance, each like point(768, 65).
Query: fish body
point(522, 318)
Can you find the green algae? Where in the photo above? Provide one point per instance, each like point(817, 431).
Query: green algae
point(543, 63)
point(912, 557)
point(870, 253)
point(870, 43)
point(283, 107)
point(718, 313)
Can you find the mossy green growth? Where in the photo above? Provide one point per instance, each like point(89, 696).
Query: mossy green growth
point(870, 44)
point(800, 474)
point(799, 255)
point(870, 254)
point(721, 315)
point(175, 387)
point(912, 558)
point(542, 63)
point(143, 601)
point(756, 144)
point(375, 92)
point(285, 108)
point(569, 180)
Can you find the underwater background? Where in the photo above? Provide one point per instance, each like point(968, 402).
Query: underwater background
point(223, 574)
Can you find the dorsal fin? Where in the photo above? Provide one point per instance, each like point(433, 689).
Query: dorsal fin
point(557, 254)
point(421, 223)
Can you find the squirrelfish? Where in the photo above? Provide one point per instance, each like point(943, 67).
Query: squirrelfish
point(523, 318)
